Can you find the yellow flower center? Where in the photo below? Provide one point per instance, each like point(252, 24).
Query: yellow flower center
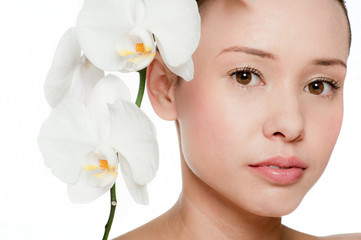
point(139, 47)
point(104, 166)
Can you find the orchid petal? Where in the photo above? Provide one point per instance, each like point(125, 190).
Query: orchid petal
point(66, 140)
point(101, 23)
point(107, 90)
point(176, 28)
point(82, 192)
point(60, 75)
point(134, 136)
point(70, 75)
point(138, 192)
point(138, 63)
point(185, 71)
point(86, 76)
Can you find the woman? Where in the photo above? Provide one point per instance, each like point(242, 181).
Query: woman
point(258, 122)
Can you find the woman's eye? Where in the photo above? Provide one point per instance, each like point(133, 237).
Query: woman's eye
point(319, 88)
point(246, 78)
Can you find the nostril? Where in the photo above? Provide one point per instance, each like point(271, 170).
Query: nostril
point(278, 134)
point(289, 137)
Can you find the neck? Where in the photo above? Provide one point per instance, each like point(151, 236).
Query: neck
point(202, 213)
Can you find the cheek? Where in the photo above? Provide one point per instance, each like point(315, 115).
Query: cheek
point(203, 128)
point(322, 136)
point(216, 128)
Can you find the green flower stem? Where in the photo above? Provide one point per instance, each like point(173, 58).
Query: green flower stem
point(113, 197)
point(113, 205)
point(142, 75)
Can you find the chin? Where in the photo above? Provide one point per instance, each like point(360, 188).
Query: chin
point(277, 211)
point(276, 206)
point(270, 202)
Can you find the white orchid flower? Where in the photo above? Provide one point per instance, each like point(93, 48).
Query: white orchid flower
point(71, 74)
point(122, 35)
point(86, 145)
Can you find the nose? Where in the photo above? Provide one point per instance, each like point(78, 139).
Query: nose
point(284, 119)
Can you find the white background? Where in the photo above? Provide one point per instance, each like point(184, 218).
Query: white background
point(34, 203)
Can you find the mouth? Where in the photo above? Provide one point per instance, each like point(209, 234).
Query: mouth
point(280, 170)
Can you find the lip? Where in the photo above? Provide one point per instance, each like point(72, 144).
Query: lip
point(280, 170)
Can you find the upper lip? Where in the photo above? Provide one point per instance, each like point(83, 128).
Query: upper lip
point(282, 162)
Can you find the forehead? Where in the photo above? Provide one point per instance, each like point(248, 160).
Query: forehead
point(307, 27)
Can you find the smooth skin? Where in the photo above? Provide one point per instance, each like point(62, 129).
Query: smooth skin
point(268, 82)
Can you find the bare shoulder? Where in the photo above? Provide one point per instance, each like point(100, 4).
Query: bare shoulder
point(153, 230)
point(144, 232)
point(351, 236)
point(289, 233)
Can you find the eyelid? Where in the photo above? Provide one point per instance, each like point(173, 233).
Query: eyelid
point(333, 83)
point(253, 70)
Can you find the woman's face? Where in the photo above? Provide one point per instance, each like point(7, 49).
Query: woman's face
point(260, 118)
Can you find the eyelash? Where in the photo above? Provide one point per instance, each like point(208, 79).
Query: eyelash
point(246, 69)
point(333, 83)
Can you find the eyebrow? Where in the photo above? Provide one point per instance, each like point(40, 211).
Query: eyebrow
point(251, 51)
point(329, 62)
point(265, 54)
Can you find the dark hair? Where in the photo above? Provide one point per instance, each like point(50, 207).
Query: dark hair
point(201, 4)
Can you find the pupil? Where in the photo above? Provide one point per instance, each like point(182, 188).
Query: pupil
point(244, 77)
point(316, 88)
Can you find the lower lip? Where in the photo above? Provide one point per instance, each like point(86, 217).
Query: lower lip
point(279, 176)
